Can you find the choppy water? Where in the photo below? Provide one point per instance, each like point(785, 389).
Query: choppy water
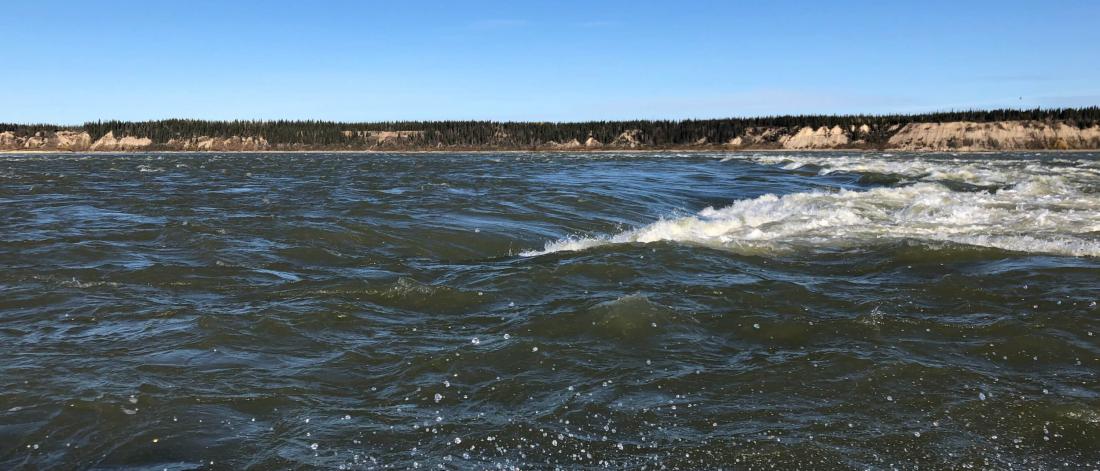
point(699, 311)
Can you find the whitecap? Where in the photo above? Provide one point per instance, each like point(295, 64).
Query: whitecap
point(1038, 209)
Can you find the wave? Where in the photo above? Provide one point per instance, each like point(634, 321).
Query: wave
point(632, 317)
point(981, 171)
point(1038, 210)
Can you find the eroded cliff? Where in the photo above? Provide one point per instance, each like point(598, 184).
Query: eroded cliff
point(930, 136)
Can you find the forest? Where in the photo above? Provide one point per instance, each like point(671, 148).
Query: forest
point(474, 134)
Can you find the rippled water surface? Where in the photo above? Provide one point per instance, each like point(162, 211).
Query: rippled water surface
point(624, 311)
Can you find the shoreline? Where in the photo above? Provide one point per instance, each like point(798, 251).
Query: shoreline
point(969, 132)
point(541, 151)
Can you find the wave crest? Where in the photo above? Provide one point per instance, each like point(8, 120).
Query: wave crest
point(1042, 212)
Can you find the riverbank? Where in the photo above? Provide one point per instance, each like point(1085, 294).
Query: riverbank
point(538, 151)
point(975, 131)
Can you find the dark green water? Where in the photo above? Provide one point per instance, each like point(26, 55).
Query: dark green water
point(651, 311)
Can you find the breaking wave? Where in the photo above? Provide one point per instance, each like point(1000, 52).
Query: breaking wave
point(1037, 207)
point(981, 171)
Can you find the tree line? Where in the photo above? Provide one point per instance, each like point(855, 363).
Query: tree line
point(652, 133)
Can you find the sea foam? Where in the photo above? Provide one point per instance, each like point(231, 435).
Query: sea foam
point(1035, 208)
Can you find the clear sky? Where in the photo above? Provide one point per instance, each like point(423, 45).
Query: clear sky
point(71, 61)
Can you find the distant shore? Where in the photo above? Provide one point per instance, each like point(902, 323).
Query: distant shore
point(539, 151)
point(966, 131)
point(549, 151)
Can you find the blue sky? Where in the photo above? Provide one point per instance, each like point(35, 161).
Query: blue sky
point(72, 61)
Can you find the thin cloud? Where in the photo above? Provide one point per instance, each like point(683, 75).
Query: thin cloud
point(1020, 78)
point(597, 24)
point(1024, 101)
point(757, 102)
point(498, 23)
point(1069, 100)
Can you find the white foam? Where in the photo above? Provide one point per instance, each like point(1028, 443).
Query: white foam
point(1039, 209)
point(983, 171)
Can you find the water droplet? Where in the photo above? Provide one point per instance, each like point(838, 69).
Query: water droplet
point(756, 326)
point(534, 349)
point(981, 396)
point(314, 446)
point(438, 397)
point(475, 341)
point(458, 441)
